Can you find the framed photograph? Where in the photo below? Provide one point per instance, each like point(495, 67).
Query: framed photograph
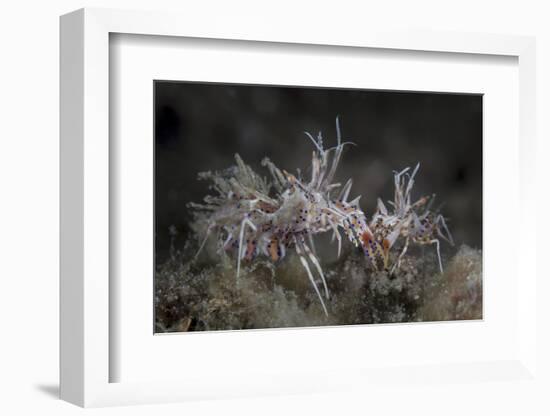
point(237, 210)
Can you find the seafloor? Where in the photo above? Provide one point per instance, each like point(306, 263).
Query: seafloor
point(204, 294)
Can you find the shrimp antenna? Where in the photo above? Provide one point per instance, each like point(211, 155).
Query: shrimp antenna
point(308, 134)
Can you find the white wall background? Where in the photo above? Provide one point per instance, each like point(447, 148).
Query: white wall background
point(29, 205)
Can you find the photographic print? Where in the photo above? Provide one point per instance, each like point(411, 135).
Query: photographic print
point(284, 206)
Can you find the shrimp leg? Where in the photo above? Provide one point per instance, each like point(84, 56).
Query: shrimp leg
point(317, 266)
point(310, 275)
point(206, 235)
point(398, 264)
point(337, 236)
point(245, 222)
point(436, 242)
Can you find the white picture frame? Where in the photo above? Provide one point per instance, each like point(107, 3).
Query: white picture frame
point(85, 165)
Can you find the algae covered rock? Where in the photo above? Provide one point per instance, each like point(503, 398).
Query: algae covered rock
point(192, 295)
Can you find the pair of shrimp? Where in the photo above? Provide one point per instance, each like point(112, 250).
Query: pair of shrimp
point(259, 218)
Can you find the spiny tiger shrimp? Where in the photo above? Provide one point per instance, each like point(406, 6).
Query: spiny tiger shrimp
point(412, 221)
point(256, 217)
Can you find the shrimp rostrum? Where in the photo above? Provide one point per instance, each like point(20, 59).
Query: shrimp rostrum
point(254, 217)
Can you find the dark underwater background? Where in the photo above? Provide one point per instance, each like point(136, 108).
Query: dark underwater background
point(200, 126)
